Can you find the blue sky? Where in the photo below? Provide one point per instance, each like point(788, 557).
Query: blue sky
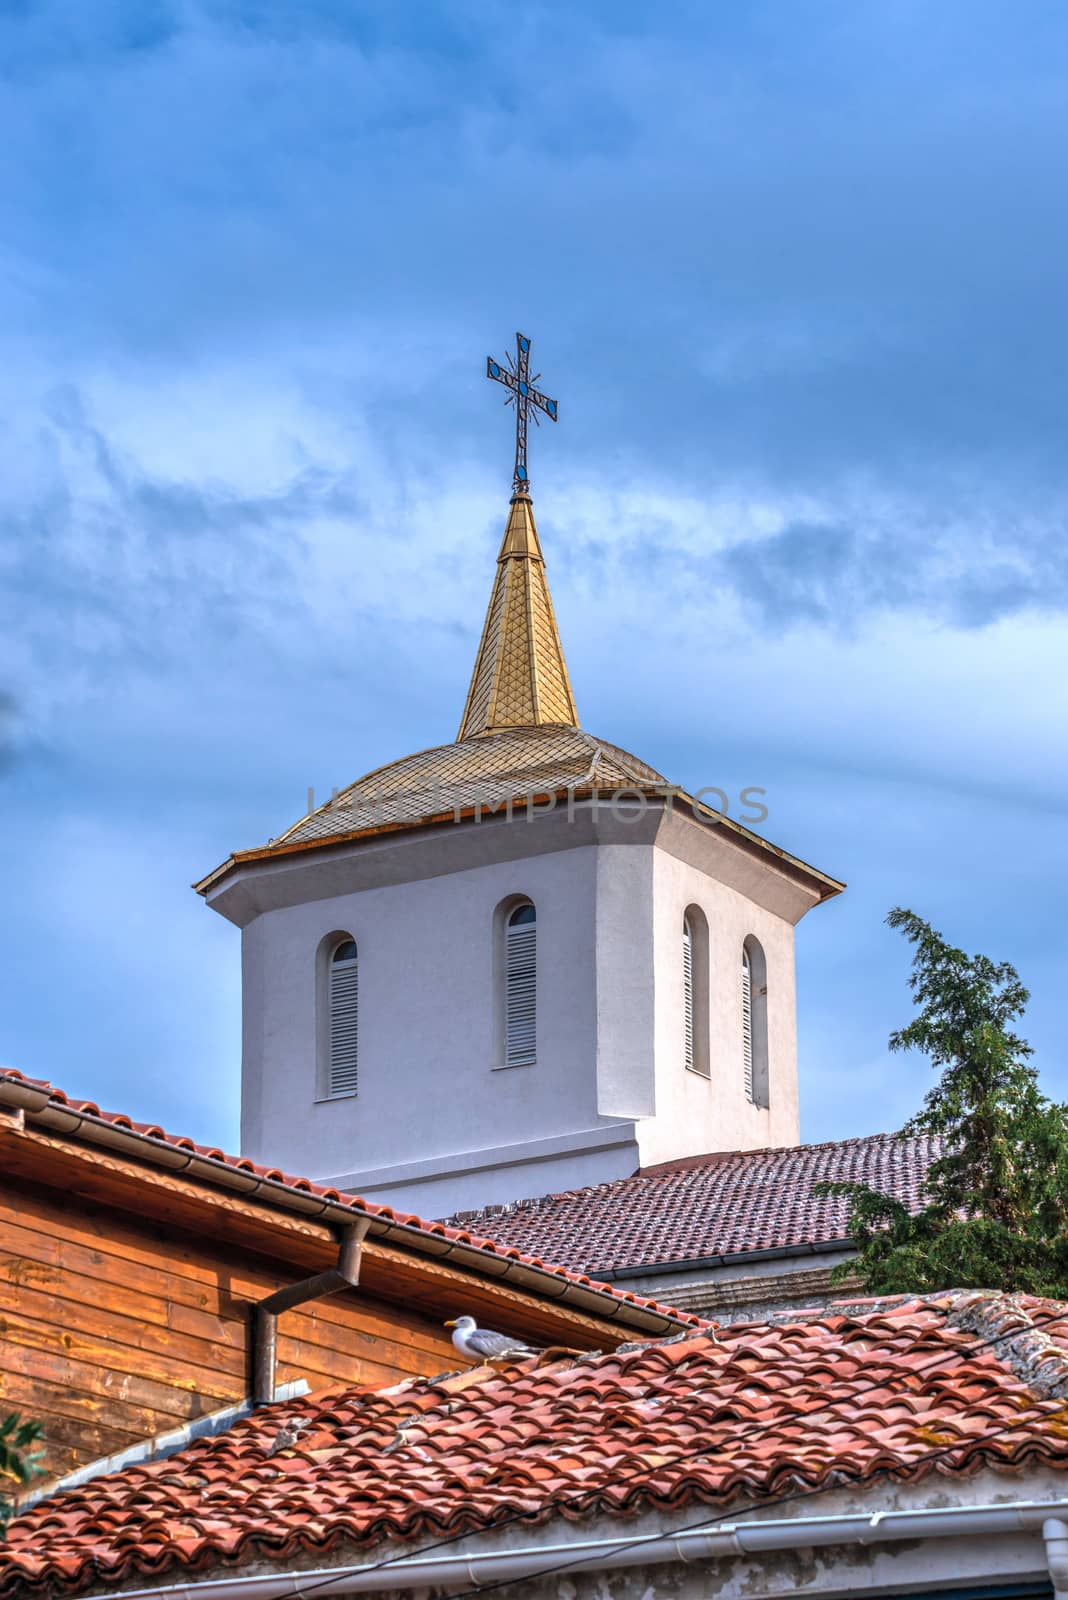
point(798, 275)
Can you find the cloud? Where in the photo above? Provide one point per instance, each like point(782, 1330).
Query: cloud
point(793, 276)
point(199, 564)
point(969, 574)
point(750, 259)
point(111, 563)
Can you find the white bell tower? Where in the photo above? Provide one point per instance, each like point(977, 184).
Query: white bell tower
point(518, 963)
point(404, 944)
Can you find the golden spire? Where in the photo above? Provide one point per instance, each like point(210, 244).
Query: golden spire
point(520, 678)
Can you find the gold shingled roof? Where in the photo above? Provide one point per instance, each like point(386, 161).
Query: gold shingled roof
point(519, 738)
point(485, 772)
point(520, 678)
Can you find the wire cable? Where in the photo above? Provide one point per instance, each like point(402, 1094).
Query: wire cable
point(576, 1498)
point(732, 1516)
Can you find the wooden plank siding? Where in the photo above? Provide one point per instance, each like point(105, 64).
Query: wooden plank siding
point(127, 1286)
point(114, 1329)
point(187, 1207)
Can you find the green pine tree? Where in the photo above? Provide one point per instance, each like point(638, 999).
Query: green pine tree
point(19, 1462)
point(995, 1205)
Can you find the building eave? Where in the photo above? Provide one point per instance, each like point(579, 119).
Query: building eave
point(820, 883)
point(731, 1258)
point(38, 1104)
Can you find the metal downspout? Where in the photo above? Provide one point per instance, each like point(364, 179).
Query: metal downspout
point(265, 1314)
point(549, 1283)
point(1055, 1535)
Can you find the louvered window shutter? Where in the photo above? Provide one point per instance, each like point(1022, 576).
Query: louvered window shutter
point(687, 993)
point(747, 1027)
point(344, 1026)
point(521, 998)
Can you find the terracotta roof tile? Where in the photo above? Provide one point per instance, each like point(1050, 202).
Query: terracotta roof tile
point(465, 1235)
point(724, 1204)
point(942, 1384)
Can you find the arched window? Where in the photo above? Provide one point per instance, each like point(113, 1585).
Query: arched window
point(343, 1006)
point(521, 987)
point(695, 968)
point(747, 1024)
point(687, 994)
point(755, 1066)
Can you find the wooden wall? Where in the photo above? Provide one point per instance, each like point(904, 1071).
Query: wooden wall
point(113, 1330)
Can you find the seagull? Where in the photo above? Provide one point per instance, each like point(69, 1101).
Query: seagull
point(484, 1344)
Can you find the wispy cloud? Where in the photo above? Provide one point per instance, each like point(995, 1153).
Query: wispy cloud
point(968, 574)
point(795, 278)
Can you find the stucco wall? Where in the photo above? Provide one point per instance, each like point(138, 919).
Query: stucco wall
point(695, 1114)
point(626, 995)
point(470, 1179)
point(427, 1051)
point(438, 1124)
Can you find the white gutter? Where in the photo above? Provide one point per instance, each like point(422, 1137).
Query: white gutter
point(721, 1541)
point(608, 1305)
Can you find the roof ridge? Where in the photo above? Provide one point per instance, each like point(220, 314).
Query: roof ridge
point(885, 1136)
point(673, 1169)
point(1005, 1320)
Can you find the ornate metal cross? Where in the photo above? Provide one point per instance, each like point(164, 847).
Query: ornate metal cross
point(515, 375)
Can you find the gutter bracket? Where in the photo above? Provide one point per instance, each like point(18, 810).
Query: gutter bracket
point(265, 1314)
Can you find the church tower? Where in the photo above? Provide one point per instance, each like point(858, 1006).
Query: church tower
point(518, 963)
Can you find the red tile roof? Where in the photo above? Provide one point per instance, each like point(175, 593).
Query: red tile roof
point(944, 1383)
point(150, 1135)
point(710, 1206)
